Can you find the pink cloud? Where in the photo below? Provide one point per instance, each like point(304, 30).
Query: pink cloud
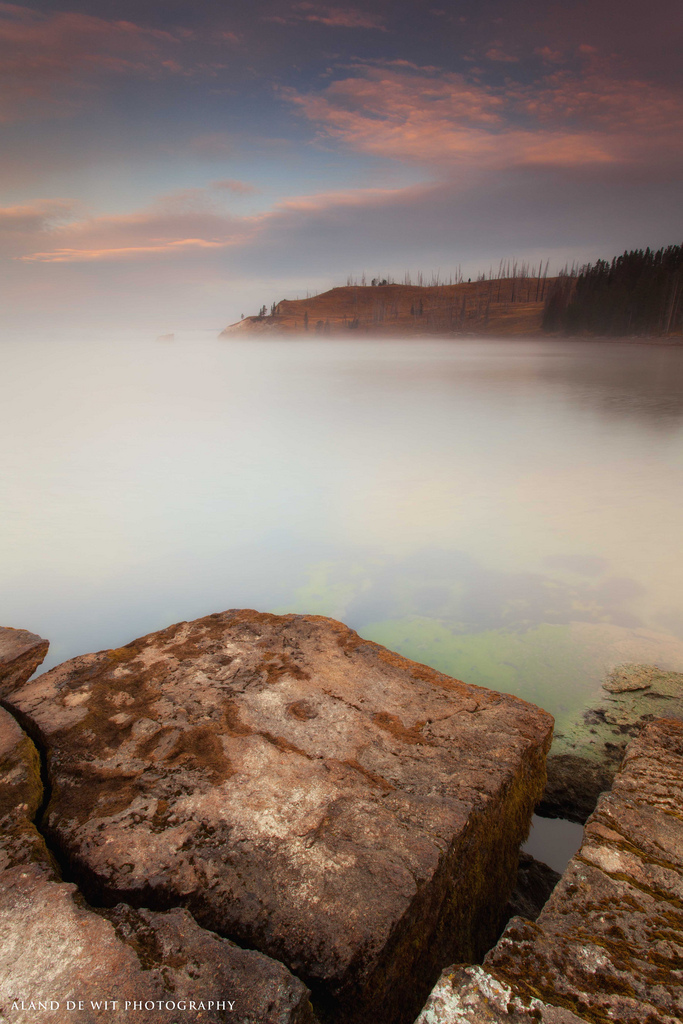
point(176, 225)
point(444, 118)
point(241, 188)
point(497, 53)
point(36, 216)
point(333, 17)
point(41, 54)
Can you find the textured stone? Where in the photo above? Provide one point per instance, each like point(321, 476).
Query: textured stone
point(21, 653)
point(300, 790)
point(55, 948)
point(471, 995)
point(608, 945)
point(586, 755)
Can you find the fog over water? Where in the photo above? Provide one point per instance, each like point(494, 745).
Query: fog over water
point(507, 511)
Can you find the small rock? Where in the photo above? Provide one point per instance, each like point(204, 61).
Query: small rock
point(302, 791)
point(625, 678)
point(21, 653)
point(585, 758)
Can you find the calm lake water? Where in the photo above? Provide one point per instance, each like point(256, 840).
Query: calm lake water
point(507, 511)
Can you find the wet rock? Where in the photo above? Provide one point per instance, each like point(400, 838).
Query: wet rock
point(302, 791)
point(535, 882)
point(586, 755)
point(21, 653)
point(608, 944)
point(55, 949)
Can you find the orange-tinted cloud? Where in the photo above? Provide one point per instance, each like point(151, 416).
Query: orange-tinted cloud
point(177, 224)
point(443, 118)
point(240, 188)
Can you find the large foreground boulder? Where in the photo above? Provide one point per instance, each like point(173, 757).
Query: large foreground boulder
point(300, 790)
point(586, 754)
point(62, 961)
point(608, 945)
point(21, 653)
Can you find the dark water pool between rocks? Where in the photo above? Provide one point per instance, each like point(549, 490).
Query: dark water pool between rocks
point(506, 511)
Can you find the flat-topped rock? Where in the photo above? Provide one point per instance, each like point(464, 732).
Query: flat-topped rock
point(302, 791)
point(586, 754)
point(21, 653)
point(608, 945)
point(56, 950)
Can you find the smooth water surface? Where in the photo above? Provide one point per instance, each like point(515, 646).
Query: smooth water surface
point(507, 511)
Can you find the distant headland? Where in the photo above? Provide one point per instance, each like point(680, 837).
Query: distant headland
point(637, 294)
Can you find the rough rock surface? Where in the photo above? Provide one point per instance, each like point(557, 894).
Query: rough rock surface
point(300, 790)
point(608, 945)
point(55, 949)
point(21, 653)
point(585, 757)
point(471, 995)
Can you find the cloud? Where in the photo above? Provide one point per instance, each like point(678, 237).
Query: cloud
point(164, 229)
point(43, 54)
point(497, 53)
point(177, 224)
point(436, 118)
point(241, 188)
point(37, 216)
point(333, 17)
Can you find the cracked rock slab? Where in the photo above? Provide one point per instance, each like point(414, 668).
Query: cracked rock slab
point(21, 653)
point(57, 951)
point(302, 791)
point(608, 945)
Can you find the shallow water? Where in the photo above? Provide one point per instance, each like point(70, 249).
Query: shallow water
point(507, 511)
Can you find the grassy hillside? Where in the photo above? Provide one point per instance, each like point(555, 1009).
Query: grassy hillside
point(503, 306)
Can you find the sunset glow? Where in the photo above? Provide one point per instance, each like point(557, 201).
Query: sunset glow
point(208, 159)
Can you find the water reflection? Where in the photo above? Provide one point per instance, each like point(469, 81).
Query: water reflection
point(508, 511)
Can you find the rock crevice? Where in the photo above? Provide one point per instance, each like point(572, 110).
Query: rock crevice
point(608, 944)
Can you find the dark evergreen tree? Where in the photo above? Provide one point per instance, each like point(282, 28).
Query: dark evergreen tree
point(640, 292)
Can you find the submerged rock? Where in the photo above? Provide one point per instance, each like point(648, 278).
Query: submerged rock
point(21, 653)
point(535, 882)
point(300, 790)
point(608, 945)
point(57, 950)
point(586, 755)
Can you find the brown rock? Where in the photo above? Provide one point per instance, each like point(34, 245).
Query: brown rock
point(608, 945)
point(56, 949)
point(21, 793)
point(21, 653)
point(300, 790)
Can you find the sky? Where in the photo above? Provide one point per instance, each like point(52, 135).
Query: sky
point(175, 164)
